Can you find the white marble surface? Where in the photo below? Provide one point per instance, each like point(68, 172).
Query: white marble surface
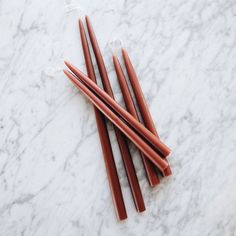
point(53, 180)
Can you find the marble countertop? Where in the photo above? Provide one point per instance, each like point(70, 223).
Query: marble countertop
point(53, 179)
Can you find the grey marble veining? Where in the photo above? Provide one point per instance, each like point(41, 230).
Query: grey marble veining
point(53, 179)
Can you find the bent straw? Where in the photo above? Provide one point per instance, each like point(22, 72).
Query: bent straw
point(149, 167)
point(110, 165)
point(128, 163)
point(116, 120)
point(144, 132)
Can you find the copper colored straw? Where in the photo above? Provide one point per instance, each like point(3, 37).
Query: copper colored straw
point(147, 118)
point(128, 163)
point(139, 128)
point(149, 166)
point(118, 122)
point(139, 94)
point(106, 145)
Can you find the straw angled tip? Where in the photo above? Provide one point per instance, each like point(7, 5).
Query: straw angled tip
point(87, 18)
point(75, 70)
point(67, 63)
point(123, 51)
point(81, 27)
point(114, 57)
point(124, 54)
point(80, 22)
point(116, 61)
point(67, 73)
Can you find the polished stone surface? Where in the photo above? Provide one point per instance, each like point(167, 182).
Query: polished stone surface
point(53, 179)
